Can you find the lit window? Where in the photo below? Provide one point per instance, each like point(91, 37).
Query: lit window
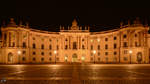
point(91, 40)
point(98, 40)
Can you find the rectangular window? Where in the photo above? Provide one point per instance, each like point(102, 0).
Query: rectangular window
point(66, 47)
point(98, 53)
point(115, 46)
point(125, 51)
point(98, 47)
point(57, 47)
point(106, 53)
point(91, 47)
point(106, 46)
point(136, 44)
point(74, 45)
point(125, 44)
point(34, 53)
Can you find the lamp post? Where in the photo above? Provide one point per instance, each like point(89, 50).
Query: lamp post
point(130, 52)
point(19, 53)
point(55, 52)
point(94, 52)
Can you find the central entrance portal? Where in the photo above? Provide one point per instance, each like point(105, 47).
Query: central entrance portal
point(74, 58)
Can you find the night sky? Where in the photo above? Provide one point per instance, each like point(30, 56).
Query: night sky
point(49, 14)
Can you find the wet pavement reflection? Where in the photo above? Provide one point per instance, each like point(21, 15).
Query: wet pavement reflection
point(75, 74)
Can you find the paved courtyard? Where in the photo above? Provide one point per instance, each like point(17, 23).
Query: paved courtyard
point(75, 74)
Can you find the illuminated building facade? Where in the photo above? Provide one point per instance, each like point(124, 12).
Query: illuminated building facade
point(128, 44)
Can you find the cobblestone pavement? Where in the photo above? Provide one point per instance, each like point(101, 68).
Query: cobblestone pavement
point(75, 74)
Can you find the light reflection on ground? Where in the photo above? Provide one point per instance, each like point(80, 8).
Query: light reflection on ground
point(75, 74)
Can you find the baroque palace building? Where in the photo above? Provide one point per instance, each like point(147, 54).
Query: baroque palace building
point(128, 44)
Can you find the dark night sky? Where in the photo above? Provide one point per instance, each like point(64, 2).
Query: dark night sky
point(49, 14)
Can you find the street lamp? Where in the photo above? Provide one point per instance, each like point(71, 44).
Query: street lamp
point(19, 53)
point(94, 52)
point(55, 52)
point(130, 52)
